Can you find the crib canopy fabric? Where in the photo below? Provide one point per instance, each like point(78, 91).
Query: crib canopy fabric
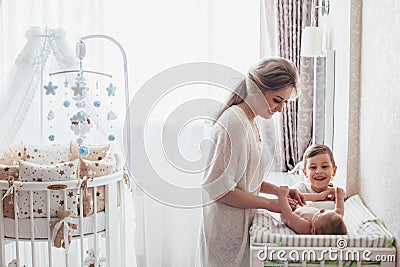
point(19, 90)
point(37, 108)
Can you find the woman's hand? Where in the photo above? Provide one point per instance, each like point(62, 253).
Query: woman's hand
point(293, 204)
point(274, 206)
point(284, 192)
point(296, 197)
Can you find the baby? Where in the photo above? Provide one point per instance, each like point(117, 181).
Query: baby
point(311, 220)
point(320, 168)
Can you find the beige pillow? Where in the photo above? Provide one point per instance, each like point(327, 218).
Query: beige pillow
point(13, 154)
point(47, 154)
point(31, 172)
point(92, 169)
point(96, 152)
point(6, 172)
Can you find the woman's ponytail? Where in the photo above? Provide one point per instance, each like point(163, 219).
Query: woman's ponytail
point(236, 97)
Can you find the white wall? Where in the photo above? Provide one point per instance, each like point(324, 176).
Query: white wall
point(338, 32)
point(380, 111)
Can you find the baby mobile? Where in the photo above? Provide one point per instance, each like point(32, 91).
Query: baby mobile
point(76, 100)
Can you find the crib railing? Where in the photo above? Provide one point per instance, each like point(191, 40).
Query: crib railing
point(83, 240)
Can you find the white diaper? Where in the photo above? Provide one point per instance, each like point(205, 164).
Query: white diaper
point(327, 204)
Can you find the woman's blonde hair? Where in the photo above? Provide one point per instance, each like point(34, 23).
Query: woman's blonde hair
point(268, 74)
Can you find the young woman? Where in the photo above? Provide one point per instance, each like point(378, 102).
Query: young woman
point(237, 164)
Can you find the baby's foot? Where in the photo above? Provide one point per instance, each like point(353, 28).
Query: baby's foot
point(282, 191)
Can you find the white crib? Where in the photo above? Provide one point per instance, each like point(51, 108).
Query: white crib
point(28, 241)
point(26, 235)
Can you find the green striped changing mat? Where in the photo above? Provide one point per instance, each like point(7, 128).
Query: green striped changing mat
point(364, 230)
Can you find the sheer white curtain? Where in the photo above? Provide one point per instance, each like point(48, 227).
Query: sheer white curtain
point(156, 35)
point(167, 34)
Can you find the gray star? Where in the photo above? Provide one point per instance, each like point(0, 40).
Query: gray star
point(78, 90)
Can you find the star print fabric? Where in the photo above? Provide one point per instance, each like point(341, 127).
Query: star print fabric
point(47, 154)
point(92, 169)
point(12, 154)
point(56, 162)
point(8, 172)
point(32, 172)
point(9, 169)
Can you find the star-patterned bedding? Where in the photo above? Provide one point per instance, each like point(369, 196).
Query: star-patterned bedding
point(31, 172)
point(55, 162)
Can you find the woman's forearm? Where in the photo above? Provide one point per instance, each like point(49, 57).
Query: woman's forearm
point(241, 199)
point(268, 188)
point(284, 206)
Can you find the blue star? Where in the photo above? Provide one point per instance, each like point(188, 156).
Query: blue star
point(65, 83)
point(111, 90)
point(50, 88)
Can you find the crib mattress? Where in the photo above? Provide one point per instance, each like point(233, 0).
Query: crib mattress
point(364, 230)
point(41, 226)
